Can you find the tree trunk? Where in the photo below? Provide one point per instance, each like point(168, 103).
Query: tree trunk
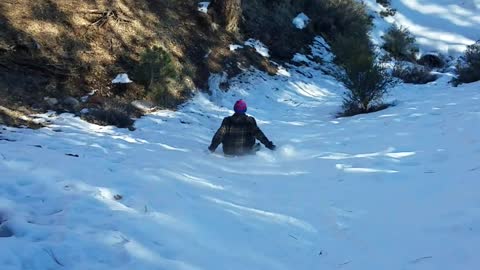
point(228, 13)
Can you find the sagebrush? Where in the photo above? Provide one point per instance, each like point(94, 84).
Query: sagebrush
point(400, 43)
point(367, 89)
point(468, 69)
point(163, 94)
point(367, 81)
point(415, 74)
point(389, 11)
point(156, 66)
point(110, 116)
point(265, 19)
point(385, 3)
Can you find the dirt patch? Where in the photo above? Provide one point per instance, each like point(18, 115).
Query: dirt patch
point(62, 49)
point(17, 118)
point(271, 22)
point(65, 49)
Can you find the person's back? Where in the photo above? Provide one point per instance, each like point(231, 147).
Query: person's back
point(238, 133)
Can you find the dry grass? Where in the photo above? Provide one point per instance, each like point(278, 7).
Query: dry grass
point(17, 119)
point(62, 47)
point(64, 32)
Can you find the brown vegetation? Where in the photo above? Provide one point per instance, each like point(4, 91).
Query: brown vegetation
point(63, 49)
point(68, 48)
point(17, 118)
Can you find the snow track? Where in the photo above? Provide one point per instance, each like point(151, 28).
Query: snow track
point(396, 189)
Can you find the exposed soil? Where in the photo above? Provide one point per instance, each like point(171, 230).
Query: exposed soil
point(63, 49)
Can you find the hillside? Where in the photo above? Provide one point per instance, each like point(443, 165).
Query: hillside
point(395, 189)
point(392, 189)
point(73, 48)
point(53, 51)
point(445, 26)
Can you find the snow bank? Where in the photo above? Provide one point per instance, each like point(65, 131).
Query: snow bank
point(203, 7)
point(234, 47)
point(258, 46)
point(300, 58)
point(301, 21)
point(320, 48)
point(122, 78)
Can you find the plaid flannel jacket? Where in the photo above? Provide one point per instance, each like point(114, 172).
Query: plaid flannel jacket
point(237, 134)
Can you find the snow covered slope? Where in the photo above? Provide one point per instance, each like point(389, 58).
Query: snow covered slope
point(396, 189)
point(445, 26)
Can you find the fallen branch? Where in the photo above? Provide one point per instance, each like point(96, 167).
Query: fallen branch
point(93, 11)
point(52, 255)
point(421, 259)
point(105, 16)
point(14, 118)
point(345, 263)
point(475, 169)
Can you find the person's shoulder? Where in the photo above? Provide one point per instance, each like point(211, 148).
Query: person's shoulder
point(226, 119)
point(251, 119)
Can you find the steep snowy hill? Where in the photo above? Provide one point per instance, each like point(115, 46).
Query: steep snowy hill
point(445, 26)
point(396, 189)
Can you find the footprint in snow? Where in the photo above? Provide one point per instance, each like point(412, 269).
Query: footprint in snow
point(24, 182)
point(5, 231)
point(341, 218)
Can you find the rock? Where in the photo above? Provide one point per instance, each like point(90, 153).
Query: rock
point(71, 102)
point(84, 111)
point(143, 105)
point(188, 82)
point(432, 60)
point(96, 100)
point(17, 119)
point(51, 88)
point(51, 101)
point(214, 27)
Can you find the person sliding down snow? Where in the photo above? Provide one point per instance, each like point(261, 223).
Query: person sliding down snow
point(238, 133)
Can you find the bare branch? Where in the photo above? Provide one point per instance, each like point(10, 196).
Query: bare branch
point(52, 255)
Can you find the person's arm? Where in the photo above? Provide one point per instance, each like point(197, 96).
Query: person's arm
point(259, 135)
point(218, 137)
